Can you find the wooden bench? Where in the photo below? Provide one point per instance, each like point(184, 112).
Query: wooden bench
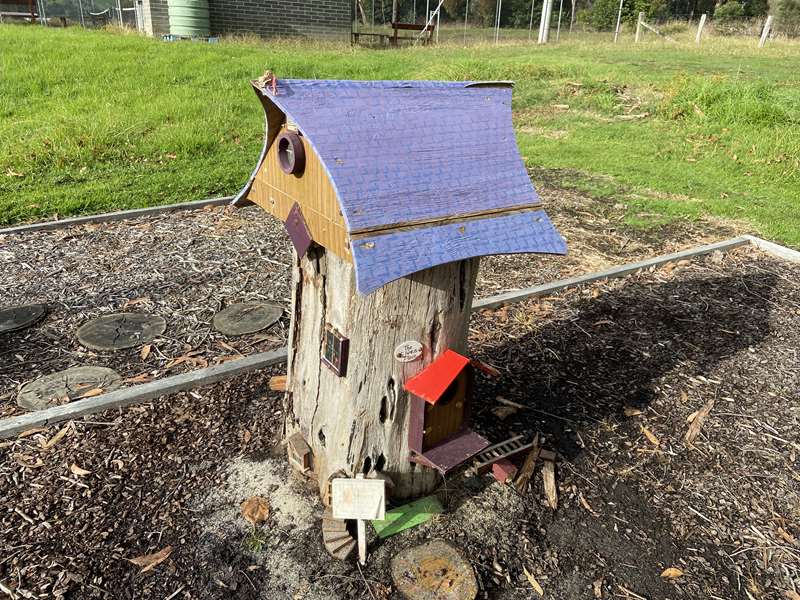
point(398, 27)
point(32, 13)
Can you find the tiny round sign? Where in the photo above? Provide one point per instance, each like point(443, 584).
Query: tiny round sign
point(408, 351)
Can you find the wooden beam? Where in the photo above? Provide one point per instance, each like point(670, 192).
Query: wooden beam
point(140, 393)
point(556, 286)
point(116, 216)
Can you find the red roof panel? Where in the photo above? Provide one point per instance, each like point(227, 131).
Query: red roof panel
point(430, 383)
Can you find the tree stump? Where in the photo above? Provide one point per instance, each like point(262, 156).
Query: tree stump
point(358, 422)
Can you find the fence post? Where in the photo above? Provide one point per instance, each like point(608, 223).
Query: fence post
point(544, 25)
point(700, 26)
point(530, 25)
point(765, 32)
point(560, 9)
point(639, 27)
point(619, 21)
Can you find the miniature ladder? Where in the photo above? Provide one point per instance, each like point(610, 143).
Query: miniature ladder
point(507, 449)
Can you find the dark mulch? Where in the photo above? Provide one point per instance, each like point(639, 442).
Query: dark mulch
point(186, 267)
point(608, 375)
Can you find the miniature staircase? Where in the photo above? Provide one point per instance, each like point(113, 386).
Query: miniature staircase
point(504, 450)
point(336, 537)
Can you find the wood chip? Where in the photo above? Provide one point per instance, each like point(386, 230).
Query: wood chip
point(597, 587)
point(526, 472)
point(532, 580)
point(549, 478)
point(145, 351)
point(672, 573)
point(151, 561)
point(76, 470)
point(791, 595)
point(632, 411)
point(697, 423)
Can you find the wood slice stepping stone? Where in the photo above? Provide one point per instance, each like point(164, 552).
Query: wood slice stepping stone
point(65, 386)
point(19, 317)
point(434, 571)
point(336, 536)
point(246, 317)
point(120, 331)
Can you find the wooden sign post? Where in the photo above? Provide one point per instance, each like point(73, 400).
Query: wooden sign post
point(360, 499)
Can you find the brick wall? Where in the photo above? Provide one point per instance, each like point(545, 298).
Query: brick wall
point(266, 18)
point(155, 17)
point(271, 18)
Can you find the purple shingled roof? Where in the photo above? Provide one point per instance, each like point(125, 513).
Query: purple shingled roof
point(403, 152)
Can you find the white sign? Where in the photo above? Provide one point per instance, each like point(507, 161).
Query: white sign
point(408, 351)
point(358, 499)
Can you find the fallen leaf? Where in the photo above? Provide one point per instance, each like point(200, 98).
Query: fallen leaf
point(145, 351)
point(586, 505)
point(151, 561)
point(246, 437)
point(532, 580)
point(134, 302)
point(650, 436)
point(255, 510)
point(91, 393)
point(28, 462)
point(786, 536)
point(697, 422)
point(672, 573)
point(692, 416)
point(76, 470)
point(277, 383)
point(791, 595)
point(141, 378)
point(56, 438)
point(503, 412)
point(30, 432)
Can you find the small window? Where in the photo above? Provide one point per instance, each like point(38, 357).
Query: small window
point(291, 153)
point(334, 351)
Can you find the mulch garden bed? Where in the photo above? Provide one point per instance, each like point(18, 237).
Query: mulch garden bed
point(608, 375)
point(186, 267)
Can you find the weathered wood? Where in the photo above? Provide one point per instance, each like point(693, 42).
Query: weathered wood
point(765, 31)
point(359, 423)
point(700, 27)
point(140, 393)
point(639, 27)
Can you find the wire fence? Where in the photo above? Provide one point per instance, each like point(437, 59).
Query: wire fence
point(471, 22)
point(468, 22)
point(85, 13)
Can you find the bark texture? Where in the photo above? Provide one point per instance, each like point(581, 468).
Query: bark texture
point(359, 423)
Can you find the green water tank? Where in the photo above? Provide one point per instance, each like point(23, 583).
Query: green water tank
point(188, 18)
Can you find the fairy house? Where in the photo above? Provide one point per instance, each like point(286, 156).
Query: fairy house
point(390, 192)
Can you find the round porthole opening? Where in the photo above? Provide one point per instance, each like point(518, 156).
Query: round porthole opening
point(291, 153)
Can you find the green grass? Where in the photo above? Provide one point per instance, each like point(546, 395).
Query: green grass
point(93, 121)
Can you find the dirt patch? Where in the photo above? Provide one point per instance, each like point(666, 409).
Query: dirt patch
point(596, 371)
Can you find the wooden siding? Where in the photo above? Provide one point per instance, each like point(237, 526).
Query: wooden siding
point(276, 192)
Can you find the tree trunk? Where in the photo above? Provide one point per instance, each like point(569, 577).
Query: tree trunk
point(359, 423)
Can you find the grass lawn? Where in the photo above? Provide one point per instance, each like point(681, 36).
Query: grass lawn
point(93, 121)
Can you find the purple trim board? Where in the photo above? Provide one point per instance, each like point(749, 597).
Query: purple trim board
point(384, 258)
